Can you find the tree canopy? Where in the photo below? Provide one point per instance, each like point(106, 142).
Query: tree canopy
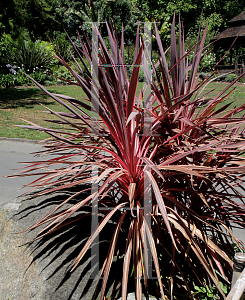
point(42, 19)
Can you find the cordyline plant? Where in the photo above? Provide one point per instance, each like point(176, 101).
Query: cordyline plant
point(183, 152)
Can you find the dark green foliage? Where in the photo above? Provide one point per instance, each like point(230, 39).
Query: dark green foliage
point(62, 72)
point(216, 13)
point(223, 78)
point(30, 55)
point(66, 15)
point(42, 17)
point(122, 12)
point(35, 16)
point(228, 78)
point(203, 75)
point(231, 77)
point(141, 73)
point(7, 80)
point(19, 78)
point(7, 15)
point(208, 292)
point(32, 16)
point(6, 48)
point(62, 45)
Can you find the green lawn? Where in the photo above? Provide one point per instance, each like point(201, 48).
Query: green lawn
point(237, 97)
point(22, 102)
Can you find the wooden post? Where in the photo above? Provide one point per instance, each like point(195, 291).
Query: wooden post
point(231, 54)
point(236, 61)
point(243, 68)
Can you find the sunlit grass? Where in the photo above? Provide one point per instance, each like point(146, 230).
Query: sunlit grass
point(22, 102)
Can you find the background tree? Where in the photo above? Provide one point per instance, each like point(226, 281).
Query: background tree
point(216, 13)
point(44, 19)
point(65, 15)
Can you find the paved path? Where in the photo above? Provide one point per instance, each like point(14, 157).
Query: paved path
point(13, 152)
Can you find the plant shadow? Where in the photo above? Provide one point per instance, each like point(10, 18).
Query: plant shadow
point(56, 253)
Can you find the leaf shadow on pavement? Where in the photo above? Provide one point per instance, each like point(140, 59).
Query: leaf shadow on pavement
point(55, 253)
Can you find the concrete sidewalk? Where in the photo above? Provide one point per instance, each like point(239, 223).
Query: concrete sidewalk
point(12, 152)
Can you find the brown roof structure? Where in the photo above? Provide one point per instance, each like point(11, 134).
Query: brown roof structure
point(238, 18)
point(224, 40)
point(237, 28)
point(231, 32)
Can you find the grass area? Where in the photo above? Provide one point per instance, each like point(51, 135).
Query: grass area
point(22, 102)
point(236, 98)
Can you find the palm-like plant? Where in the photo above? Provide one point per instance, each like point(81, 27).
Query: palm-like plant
point(29, 55)
point(185, 162)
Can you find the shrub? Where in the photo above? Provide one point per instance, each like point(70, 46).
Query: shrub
point(17, 77)
point(203, 75)
point(29, 55)
point(7, 80)
point(6, 48)
point(167, 166)
point(232, 77)
point(208, 292)
point(141, 73)
point(64, 73)
point(207, 62)
point(63, 46)
point(228, 78)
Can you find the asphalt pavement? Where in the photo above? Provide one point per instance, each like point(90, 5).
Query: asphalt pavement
point(12, 152)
